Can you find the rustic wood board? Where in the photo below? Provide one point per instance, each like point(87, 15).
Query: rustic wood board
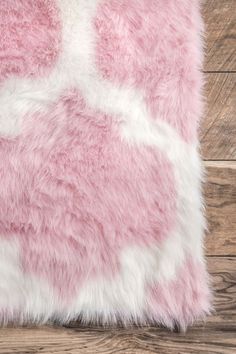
point(218, 128)
point(220, 19)
point(220, 193)
point(217, 335)
point(223, 278)
point(98, 341)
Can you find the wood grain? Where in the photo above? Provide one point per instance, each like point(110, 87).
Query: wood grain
point(220, 193)
point(137, 341)
point(217, 335)
point(220, 19)
point(218, 129)
point(223, 273)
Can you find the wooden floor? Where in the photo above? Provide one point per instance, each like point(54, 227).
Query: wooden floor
point(218, 138)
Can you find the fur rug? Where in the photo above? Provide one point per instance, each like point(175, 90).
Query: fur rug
point(100, 195)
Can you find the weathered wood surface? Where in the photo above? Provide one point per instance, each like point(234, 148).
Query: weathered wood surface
point(220, 196)
point(223, 273)
point(218, 128)
point(217, 335)
point(205, 340)
point(220, 19)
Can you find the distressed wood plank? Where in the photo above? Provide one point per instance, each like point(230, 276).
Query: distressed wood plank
point(217, 335)
point(218, 128)
point(220, 20)
point(223, 274)
point(94, 341)
point(220, 194)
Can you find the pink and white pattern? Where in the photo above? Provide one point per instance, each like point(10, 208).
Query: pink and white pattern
point(100, 194)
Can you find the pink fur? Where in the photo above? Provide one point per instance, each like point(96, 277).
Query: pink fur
point(188, 289)
point(149, 44)
point(100, 200)
point(69, 183)
point(30, 36)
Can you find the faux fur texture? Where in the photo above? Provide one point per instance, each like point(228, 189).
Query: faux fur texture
point(100, 193)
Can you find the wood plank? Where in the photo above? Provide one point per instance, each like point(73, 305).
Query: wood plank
point(218, 128)
point(220, 20)
point(223, 273)
point(95, 341)
point(220, 194)
point(217, 335)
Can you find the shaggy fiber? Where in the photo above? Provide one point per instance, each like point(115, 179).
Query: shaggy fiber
point(100, 195)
